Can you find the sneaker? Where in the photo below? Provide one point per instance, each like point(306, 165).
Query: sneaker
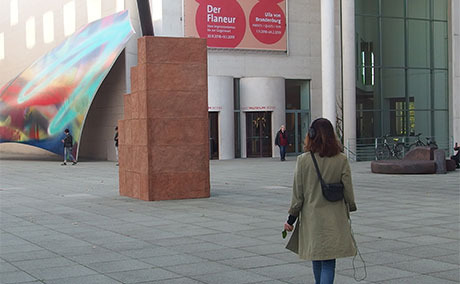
point(74, 163)
point(117, 164)
point(63, 164)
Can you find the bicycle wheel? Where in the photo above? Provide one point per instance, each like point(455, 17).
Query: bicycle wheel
point(399, 151)
point(382, 152)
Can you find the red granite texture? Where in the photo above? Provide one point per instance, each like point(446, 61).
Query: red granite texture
point(163, 138)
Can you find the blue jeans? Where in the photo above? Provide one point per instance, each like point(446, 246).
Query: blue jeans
point(68, 152)
point(324, 271)
point(282, 152)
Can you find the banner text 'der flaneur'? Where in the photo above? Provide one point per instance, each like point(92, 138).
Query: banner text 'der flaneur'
point(212, 11)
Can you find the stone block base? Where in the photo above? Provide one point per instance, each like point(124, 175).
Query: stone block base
point(163, 138)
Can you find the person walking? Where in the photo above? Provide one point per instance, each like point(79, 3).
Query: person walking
point(456, 157)
point(322, 232)
point(281, 140)
point(68, 144)
point(116, 142)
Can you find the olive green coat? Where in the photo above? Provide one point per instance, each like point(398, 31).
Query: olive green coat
point(322, 230)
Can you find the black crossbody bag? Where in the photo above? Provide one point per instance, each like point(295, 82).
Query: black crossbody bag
point(331, 191)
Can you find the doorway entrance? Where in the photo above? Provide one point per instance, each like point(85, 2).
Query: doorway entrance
point(213, 135)
point(258, 134)
point(297, 124)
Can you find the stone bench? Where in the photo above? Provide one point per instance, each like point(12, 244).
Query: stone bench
point(404, 167)
point(421, 160)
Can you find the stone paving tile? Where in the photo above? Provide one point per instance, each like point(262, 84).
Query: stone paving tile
point(19, 256)
point(43, 263)
point(451, 258)
point(280, 272)
point(148, 252)
point(381, 273)
point(6, 267)
point(424, 266)
point(51, 273)
point(15, 277)
point(172, 260)
point(453, 275)
point(266, 249)
point(99, 279)
point(252, 262)
point(119, 265)
point(421, 279)
point(86, 259)
point(386, 257)
point(222, 254)
point(199, 268)
point(183, 280)
point(143, 275)
point(425, 251)
point(231, 277)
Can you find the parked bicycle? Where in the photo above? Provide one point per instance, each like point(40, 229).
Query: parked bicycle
point(386, 150)
point(420, 143)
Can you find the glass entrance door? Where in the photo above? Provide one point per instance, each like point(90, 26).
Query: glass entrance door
point(258, 134)
point(297, 124)
point(213, 135)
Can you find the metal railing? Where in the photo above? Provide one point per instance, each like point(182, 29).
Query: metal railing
point(364, 149)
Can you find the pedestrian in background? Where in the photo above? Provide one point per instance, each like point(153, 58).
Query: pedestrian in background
point(322, 232)
point(116, 142)
point(68, 144)
point(282, 141)
point(456, 157)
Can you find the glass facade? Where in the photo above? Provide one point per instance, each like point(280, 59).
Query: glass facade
point(402, 68)
point(297, 113)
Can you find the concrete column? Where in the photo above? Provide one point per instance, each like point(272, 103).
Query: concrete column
point(263, 94)
point(348, 74)
point(454, 67)
point(220, 99)
point(328, 61)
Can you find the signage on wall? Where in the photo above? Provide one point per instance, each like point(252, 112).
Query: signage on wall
point(238, 24)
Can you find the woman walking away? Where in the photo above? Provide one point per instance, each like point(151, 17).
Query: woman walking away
point(322, 232)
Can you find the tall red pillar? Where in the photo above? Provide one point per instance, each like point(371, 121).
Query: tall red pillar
point(163, 138)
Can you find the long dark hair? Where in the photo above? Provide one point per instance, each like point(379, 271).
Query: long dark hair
point(324, 140)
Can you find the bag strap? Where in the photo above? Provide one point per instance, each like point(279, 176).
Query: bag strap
point(317, 169)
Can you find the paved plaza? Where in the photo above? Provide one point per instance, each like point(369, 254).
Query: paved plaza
point(69, 225)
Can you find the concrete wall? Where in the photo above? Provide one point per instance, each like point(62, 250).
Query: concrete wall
point(220, 99)
point(454, 69)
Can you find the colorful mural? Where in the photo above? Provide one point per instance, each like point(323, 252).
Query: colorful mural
point(56, 91)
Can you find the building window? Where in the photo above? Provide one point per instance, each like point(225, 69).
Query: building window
point(93, 8)
point(48, 27)
point(2, 46)
point(69, 18)
point(14, 12)
point(398, 117)
point(30, 32)
point(367, 63)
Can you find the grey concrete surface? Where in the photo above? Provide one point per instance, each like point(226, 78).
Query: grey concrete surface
point(67, 224)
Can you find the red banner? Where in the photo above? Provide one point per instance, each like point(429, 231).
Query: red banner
point(243, 24)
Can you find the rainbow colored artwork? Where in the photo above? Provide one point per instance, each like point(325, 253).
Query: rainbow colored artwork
point(56, 91)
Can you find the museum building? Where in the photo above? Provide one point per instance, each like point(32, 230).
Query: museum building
point(373, 67)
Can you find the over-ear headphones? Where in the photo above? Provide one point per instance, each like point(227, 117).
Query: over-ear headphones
point(311, 130)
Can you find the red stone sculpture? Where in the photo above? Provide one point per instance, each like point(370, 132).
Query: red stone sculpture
point(163, 138)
